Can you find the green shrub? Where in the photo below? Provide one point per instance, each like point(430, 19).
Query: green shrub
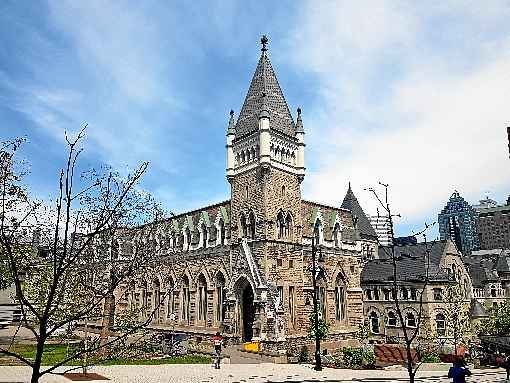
point(355, 357)
point(303, 355)
point(430, 357)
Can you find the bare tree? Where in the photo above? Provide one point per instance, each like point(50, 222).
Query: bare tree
point(68, 262)
point(410, 333)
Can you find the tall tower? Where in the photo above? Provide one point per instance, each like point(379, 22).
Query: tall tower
point(265, 159)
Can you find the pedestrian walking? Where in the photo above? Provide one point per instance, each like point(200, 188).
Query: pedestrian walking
point(217, 341)
point(459, 371)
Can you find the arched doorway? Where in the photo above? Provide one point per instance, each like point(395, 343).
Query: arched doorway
point(245, 309)
point(248, 313)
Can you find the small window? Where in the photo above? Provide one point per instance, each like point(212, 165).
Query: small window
point(291, 263)
point(413, 294)
point(440, 325)
point(283, 191)
point(392, 319)
point(279, 262)
point(376, 294)
point(369, 295)
point(374, 322)
point(386, 294)
point(410, 320)
point(405, 294)
point(438, 294)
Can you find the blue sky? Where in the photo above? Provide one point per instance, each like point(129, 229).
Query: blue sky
point(411, 94)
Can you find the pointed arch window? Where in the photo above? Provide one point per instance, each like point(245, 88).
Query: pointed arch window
point(185, 301)
point(340, 301)
point(187, 239)
point(280, 223)
point(374, 322)
point(220, 297)
point(204, 235)
point(251, 225)
point(171, 299)
point(288, 226)
point(244, 227)
point(221, 227)
point(202, 299)
point(337, 235)
point(317, 232)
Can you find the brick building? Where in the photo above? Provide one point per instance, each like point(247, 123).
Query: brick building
point(241, 266)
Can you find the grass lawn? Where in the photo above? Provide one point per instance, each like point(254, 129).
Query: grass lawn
point(54, 353)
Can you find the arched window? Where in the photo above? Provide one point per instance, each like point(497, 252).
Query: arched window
point(244, 227)
point(405, 293)
point(283, 191)
point(392, 319)
point(321, 295)
point(221, 228)
point(288, 226)
point(317, 232)
point(157, 304)
point(202, 299)
point(251, 223)
point(280, 223)
point(440, 325)
point(171, 299)
point(337, 235)
point(374, 322)
point(252, 153)
point(243, 157)
point(220, 297)
point(204, 235)
point(410, 320)
point(185, 301)
point(246, 192)
point(340, 301)
point(187, 239)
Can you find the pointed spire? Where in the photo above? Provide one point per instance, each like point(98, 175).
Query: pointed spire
point(299, 122)
point(264, 41)
point(351, 203)
point(231, 125)
point(264, 93)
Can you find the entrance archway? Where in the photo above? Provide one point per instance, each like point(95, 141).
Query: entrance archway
point(245, 309)
point(248, 313)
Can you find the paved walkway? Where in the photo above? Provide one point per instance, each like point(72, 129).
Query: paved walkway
point(249, 373)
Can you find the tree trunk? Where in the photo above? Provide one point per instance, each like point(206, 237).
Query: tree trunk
point(410, 369)
point(36, 369)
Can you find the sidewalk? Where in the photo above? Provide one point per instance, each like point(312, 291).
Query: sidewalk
point(251, 373)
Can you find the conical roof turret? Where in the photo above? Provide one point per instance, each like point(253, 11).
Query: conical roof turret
point(264, 99)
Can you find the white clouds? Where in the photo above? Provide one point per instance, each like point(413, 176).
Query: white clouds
point(403, 103)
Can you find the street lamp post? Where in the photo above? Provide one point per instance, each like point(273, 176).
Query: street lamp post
point(318, 366)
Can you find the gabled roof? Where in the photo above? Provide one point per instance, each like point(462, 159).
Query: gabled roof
point(265, 95)
point(362, 223)
point(411, 263)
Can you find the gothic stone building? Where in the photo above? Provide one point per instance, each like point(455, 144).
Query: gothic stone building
point(242, 266)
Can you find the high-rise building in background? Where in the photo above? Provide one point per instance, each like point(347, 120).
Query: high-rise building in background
point(381, 225)
point(457, 221)
point(493, 225)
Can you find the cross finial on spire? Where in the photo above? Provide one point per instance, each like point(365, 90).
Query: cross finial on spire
point(264, 41)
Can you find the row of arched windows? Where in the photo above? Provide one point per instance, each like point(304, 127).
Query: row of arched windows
point(248, 224)
point(178, 301)
point(391, 321)
point(247, 155)
point(284, 226)
point(318, 233)
point(185, 238)
point(283, 155)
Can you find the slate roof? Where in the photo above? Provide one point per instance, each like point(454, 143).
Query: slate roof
point(363, 225)
point(486, 266)
point(264, 82)
point(411, 264)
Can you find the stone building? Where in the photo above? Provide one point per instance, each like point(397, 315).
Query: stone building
point(445, 268)
point(242, 266)
point(490, 275)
